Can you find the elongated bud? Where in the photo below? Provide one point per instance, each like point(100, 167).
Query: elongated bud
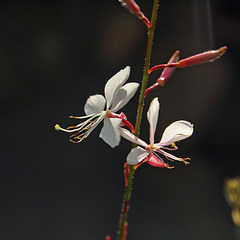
point(131, 6)
point(208, 56)
point(167, 72)
point(135, 9)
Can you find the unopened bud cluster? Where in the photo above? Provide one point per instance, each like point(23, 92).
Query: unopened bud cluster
point(173, 63)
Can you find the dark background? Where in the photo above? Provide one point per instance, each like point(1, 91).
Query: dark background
point(53, 55)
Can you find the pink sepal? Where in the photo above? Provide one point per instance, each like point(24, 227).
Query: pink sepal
point(108, 237)
point(167, 72)
point(156, 162)
point(124, 120)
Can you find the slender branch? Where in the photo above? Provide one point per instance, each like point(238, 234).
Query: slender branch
point(128, 189)
point(146, 67)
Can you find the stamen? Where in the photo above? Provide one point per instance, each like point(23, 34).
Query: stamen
point(184, 160)
point(83, 129)
point(73, 135)
point(83, 117)
point(169, 159)
point(74, 141)
point(71, 127)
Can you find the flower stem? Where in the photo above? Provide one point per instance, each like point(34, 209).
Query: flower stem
point(128, 188)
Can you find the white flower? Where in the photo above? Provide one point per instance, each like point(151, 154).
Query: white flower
point(177, 131)
point(117, 95)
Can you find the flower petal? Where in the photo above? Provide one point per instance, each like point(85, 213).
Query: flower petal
point(94, 104)
point(137, 155)
point(176, 131)
point(152, 116)
point(168, 155)
point(123, 96)
point(132, 138)
point(110, 132)
point(157, 161)
point(114, 84)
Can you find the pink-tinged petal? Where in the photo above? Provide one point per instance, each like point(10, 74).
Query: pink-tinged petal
point(114, 84)
point(176, 131)
point(123, 96)
point(132, 138)
point(152, 116)
point(156, 161)
point(110, 132)
point(94, 104)
point(137, 155)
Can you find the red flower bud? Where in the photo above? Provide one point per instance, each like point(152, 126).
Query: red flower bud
point(135, 9)
point(208, 56)
point(167, 72)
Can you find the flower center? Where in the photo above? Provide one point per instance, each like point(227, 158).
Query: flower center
point(152, 146)
point(107, 113)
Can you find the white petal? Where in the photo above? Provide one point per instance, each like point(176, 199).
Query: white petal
point(123, 96)
point(177, 131)
point(114, 84)
point(94, 104)
point(130, 137)
point(110, 132)
point(152, 116)
point(137, 155)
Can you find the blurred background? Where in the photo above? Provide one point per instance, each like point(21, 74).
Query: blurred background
point(53, 56)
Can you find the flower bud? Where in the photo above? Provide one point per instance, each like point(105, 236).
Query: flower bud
point(208, 56)
point(135, 9)
point(167, 72)
point(131, 6)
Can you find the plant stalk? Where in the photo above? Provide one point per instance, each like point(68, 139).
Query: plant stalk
point(128, 189)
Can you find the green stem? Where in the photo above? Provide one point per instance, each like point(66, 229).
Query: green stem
point(128, 189)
